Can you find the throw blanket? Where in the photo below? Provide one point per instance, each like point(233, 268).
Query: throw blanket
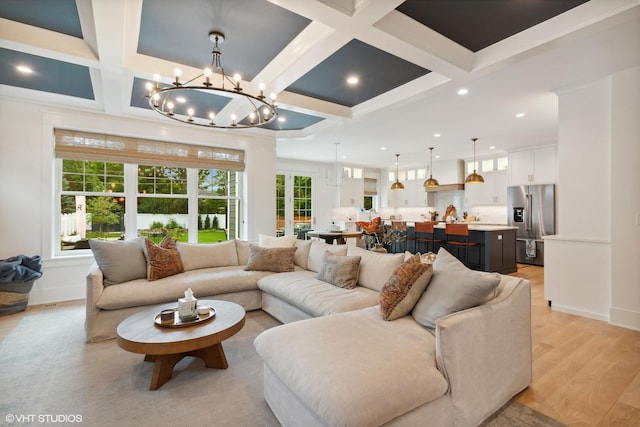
point(20, 268)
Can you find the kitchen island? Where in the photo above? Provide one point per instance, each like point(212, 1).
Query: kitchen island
point(496, 250)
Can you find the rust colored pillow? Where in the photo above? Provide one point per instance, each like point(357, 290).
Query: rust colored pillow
point(403, 289)
point(162, 260)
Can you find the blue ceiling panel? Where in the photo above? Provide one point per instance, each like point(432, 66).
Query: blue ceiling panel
point(476, 24)
point(377, 71)
point(255, 30)
point(60, 16)
point(48, 75)
point(292, 120)
point(201, 102)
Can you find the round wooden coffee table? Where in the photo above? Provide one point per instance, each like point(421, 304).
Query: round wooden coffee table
point(167, 346)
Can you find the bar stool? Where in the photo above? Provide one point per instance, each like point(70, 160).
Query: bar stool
point(425, 234)
point(457, 236)
point(401, 228)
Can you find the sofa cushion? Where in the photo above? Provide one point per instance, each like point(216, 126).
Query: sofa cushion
point(204, 282)
point(355, 369)
point(375, 268)
point(316, 253)
point(120, 260)
point(207, 255)
point(453, 287)
point(162, 260)
point(341, 271)
point(242, 247)
point(403, 289)
point(278, 260)
point(276, 242)
point(304, 291)
point(301, 257)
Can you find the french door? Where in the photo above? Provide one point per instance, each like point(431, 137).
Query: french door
point(294, 210)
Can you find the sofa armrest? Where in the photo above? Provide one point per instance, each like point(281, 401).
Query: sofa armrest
point(486, 352)
point(95, 287)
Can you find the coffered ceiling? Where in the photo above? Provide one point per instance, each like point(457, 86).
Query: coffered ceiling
point(410, 59)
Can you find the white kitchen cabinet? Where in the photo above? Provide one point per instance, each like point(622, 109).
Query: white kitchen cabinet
point(492, 192)
point(413, 195)
point(352, 193)
point(537, 166)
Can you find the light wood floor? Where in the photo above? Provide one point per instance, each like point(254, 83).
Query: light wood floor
point(585, 372)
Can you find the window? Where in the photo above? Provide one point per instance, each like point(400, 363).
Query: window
point(95, 193)
point(91, 202)
point(294, 206)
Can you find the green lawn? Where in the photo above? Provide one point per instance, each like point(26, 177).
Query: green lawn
point(204, 236)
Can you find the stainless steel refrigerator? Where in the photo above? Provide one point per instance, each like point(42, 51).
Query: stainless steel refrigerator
point(531, 208)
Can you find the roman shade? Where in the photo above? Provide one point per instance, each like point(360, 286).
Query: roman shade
point(370, 187)
point(110, 148)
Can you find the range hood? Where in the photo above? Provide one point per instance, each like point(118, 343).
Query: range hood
point(450, 174)
point(446, 187)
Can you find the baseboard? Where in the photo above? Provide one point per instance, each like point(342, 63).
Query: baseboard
point(624, 318)
point(577, 312)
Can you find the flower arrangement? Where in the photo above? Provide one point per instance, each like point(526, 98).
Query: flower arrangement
point(378, 234)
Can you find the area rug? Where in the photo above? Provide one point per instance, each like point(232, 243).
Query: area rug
point(48, 373)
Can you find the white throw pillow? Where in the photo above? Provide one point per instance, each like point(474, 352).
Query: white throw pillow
point(375, 267)
point(206, 255)
point(120, 260)
point(453, 287)
point(276, 242)
point(316, 253)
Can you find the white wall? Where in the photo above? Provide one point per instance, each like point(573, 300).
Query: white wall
point(27, 184)
point(625, 199)
point(591, 265)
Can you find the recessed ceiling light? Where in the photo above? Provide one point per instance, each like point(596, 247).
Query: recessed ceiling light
point(520, 115)
point(181, 100)
point(463, 91)
point(352, 80)
point(493, 147)
point(24, 69)
point(437, 135)
point(437, 156)
point(383, 148)
point(282, 119)
point(344, 156)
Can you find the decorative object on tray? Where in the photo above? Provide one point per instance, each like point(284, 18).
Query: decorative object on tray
point(187, 306)
point(176, 322)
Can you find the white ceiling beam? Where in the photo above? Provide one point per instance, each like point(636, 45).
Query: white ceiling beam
point(49, 44)
point(109, 21)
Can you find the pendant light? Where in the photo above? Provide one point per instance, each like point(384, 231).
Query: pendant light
point(397, 185)
point(474, 178)
point(431, 182)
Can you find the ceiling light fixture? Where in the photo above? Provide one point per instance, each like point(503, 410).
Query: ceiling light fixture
point(463, 91)
point(431, 182)
point(352, 80)
point(397, 185)
point(474, 178)
point(256, 110)
point(24, 69)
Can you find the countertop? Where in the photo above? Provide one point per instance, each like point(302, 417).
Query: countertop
point(483, 227)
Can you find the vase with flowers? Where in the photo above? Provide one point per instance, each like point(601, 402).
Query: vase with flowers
point(378, 235)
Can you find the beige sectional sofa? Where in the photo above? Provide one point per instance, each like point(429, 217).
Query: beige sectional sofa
point(335, 360)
